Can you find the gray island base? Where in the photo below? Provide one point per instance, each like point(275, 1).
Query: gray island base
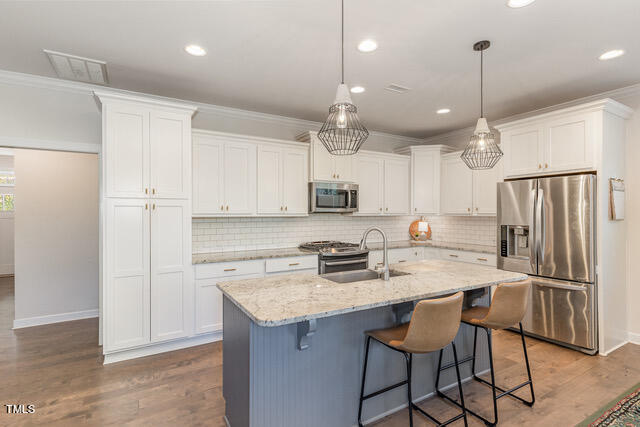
point(294, 345)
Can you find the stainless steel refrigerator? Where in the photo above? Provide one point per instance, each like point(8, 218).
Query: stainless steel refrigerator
point(546, 228)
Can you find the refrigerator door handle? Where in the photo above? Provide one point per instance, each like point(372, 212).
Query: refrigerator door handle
point(533, 244)
point(557, 285)
point(540, 224)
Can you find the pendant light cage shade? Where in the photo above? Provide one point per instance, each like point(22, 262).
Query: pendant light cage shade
point(482, 152)
point(342, 133)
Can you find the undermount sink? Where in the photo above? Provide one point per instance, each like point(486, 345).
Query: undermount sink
point(357, 275)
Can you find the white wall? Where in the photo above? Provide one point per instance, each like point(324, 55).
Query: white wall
point(632, 216)
point(6, 222)
point(56, 236)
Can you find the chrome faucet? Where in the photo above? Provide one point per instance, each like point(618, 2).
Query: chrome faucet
point(385, 259)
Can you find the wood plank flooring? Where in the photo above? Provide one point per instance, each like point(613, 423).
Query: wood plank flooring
point(58, 368)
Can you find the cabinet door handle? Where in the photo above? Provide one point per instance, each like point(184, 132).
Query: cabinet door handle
point(294, 263)
point(380, 209)
point(482, 259)
point(402, 260)
point(468, 209)
point(476, 209)
point(546, 165)
point(221, 207)
point(453, 256)
point(154, 207)
point(281, 208)
point(539, 166)
point(146, 191)
point(153, 191)
point(146, 206)
point(387, 209)
point(227, 207)
point(338, 176)
point(415, 209)
point(229, 269)
point(286, 208)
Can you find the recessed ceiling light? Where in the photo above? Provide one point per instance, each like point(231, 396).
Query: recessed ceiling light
point(357, 89)
point(195, 50)
point(611, 54)
point(519, 3)
point(367, 45)
point(443, 111)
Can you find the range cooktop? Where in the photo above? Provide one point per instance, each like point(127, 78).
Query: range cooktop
point(323, 245)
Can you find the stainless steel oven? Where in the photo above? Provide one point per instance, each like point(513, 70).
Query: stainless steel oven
point(333, 197)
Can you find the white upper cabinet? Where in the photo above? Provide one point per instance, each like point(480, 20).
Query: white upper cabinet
point(558, 142)
point(126, 150)
point(397, 186)
point(170, 166)
point(282, 180)
point(295, 190)
point(457, 186)
point(425, 177)
point(485, 190)
point(224, 175)
point(383, 183)
point(370, 178)
point(146, 149)
point(324, 166)
point(239, 178)
point(523, 150)
point(468, 192)
point(208, 190)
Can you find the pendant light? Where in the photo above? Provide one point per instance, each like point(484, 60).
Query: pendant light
point(482, 152)
point(342, 133)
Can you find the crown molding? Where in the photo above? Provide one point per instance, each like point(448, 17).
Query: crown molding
point(226, 136)
point(604, 97)
point(104, 97)
point(31, 80)
point(52, 145)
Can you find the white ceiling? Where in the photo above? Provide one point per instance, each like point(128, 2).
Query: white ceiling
point(281, 57)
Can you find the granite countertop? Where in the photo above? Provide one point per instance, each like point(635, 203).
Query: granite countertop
point(212, 257)
point(281, 300)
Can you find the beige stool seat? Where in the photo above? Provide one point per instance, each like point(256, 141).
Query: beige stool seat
point(474, 315)
point(393, 337)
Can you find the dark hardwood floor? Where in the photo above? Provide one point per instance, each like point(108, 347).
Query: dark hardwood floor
point(58, 368)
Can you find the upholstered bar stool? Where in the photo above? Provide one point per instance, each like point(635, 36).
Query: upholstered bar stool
point(434, 324)
point(507, 309)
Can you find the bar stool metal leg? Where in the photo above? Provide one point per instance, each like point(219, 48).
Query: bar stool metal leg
point(455, 359)
point(364, 375)
point(409, 358)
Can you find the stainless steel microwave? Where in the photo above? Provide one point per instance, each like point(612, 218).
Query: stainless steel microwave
point(333, 197)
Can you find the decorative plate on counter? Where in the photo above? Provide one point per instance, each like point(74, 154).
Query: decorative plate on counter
point(420, 230)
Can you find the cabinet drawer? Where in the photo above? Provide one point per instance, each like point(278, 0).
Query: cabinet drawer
point(227, 269)
point(275, 265)
point(480, 258)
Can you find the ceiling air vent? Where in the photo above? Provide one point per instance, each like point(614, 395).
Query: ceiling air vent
point(397, 88)
point(77, 68)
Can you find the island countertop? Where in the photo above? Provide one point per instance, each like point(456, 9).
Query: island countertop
point(281, 300)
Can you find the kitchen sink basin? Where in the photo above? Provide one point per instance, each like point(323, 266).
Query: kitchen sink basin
point(357, 275)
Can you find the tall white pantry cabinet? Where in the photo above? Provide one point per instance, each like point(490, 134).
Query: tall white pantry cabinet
point(146, 272)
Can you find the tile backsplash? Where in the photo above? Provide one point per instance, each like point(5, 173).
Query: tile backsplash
point(234, 234)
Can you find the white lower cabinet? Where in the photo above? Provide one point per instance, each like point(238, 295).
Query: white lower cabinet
point(148, 275)
point(470, 257)
point(208, 298)
point(396, 255)
point(171, 271)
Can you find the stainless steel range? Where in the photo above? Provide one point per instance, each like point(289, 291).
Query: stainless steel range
point(336, 256)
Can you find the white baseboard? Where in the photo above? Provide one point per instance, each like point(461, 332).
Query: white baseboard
point(634, 338)
point(419, 399)
point(54, 318)
point(149, 350)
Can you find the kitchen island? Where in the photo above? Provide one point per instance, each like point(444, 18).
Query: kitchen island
point(294, 345)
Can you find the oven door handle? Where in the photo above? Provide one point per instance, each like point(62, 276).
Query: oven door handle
point(349, 262)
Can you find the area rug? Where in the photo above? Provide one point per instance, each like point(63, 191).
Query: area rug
point(623, 411)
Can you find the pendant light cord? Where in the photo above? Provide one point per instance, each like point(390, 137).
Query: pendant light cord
point(481, 82)
point(342, 40)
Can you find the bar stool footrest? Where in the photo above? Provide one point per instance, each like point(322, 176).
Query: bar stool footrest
point(447, 422)
point(506, 392)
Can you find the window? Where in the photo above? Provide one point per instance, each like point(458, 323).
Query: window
point(6, 203)
point(7, 178)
